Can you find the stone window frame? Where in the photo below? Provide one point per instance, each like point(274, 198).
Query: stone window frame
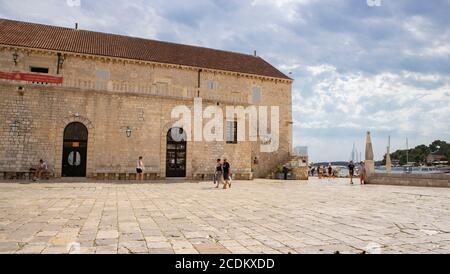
point(60, 141)
point(257, 90)
point(162, 81)
point(212, 84)
point(102, 74)
point(163, 147)
point(39, 68)
point(231, 137)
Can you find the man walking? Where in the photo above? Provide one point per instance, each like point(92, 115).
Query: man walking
point(285, 172)
point(351, 171)
point(226, 173)
point(218, 173)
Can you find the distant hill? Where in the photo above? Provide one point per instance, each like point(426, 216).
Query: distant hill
point(417, 155)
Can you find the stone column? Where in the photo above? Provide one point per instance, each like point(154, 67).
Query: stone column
point(370, 164)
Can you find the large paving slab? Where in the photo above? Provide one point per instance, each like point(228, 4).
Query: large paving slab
point(262, 216)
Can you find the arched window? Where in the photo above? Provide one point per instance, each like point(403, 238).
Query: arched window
point(76, 132)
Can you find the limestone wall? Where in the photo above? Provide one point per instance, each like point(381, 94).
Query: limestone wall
point(425, 180)
point(109, 95)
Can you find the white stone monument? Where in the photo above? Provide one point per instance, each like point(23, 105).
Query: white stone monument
point(388, 158)
point(370, 164)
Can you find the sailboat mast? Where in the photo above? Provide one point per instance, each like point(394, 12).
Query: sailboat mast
point(353, 152)
point(407, 151)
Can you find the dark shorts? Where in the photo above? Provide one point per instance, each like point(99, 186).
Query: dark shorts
point(226, 176)
point(352, 172)
point(138, 170)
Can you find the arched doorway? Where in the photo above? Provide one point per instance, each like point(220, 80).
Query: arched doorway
point(176, 153)
point(74, 150)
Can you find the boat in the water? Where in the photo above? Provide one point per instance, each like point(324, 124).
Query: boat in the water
point(414, 170)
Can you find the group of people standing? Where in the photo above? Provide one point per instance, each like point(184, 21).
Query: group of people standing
point(322, 171)
point(353, 170)
point(222, 174)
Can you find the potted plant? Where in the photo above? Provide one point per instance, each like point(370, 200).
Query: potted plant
point(279, 175)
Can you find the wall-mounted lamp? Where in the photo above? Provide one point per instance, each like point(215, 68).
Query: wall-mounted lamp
point(128, 132)
point(256, 161)
point(15, 126)
point(15, 57)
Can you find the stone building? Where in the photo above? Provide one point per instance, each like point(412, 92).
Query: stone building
point(91, 103)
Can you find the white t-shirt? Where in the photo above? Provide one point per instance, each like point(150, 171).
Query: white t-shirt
point(140, 165)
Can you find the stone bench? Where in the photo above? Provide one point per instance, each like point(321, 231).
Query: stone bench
point(420, 180)
point(150, 174)
point(204, 176)
point(23, 175)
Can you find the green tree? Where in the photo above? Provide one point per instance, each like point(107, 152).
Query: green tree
point(420, 153)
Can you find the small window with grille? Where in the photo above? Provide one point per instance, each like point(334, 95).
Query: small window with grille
point(232, 132)
point(213, 85)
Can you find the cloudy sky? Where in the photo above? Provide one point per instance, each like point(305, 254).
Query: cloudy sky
point(358, 65)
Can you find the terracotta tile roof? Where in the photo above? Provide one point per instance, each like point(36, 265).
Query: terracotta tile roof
point(23, 34)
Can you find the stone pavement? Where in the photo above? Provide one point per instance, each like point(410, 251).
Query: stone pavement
point(262, 216)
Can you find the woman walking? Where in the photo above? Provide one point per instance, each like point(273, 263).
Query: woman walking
point(362, 173)
point(140, 169)
point(218, 173)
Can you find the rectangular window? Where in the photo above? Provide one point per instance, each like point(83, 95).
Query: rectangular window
point(232, 132)
point(102, 74)
point(257, 94)
point(213, 85)
point(162, 87)
point(39, 69)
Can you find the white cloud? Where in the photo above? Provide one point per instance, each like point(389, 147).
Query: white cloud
point(384, 102)
point(316, 70)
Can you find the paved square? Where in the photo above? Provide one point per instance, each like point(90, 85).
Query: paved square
point(262, 216)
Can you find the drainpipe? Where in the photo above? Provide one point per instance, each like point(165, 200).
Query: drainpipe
point(58, 63)
point(198, 83)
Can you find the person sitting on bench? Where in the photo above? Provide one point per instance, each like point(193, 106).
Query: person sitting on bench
point(41, 169)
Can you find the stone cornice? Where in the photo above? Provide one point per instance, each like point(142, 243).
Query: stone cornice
point(117, 93)
point(143, 62)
